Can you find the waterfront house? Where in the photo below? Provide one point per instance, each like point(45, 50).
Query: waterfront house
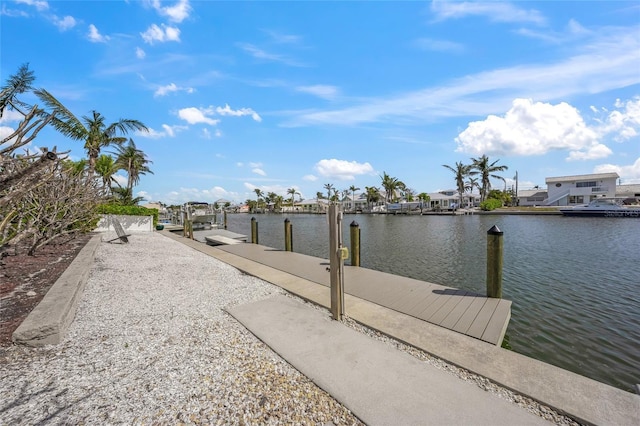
point(579, 189)
point(532, 197)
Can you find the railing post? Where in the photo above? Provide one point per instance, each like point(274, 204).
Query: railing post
point(354, 234)
point(254, 231)
point(225, 219)
point(288, 235)
point(494, 262)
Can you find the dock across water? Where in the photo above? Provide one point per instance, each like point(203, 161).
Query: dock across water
point(465, 312)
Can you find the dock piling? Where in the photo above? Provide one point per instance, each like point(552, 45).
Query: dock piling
point(254, 231)
point(354, 233)
point(494, 262)
point(288, 235)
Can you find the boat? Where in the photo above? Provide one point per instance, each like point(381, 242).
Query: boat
point(602, 207)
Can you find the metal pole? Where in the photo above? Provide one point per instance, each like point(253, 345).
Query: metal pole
point(494, 262)
point(288, 235)
point(254, 231)
point(354, 233)
point(225, 219)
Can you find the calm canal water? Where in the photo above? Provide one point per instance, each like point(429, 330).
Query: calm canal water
point(574, 282)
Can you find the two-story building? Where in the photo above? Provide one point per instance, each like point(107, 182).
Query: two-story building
point(579, 189)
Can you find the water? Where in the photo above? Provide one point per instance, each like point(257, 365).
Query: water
point(574, 282)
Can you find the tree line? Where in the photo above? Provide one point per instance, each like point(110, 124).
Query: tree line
point(45, 196)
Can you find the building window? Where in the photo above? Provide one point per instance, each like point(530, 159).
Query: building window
point(576, 199)
point(586, 184)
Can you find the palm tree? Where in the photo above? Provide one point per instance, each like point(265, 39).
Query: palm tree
point(373, 195)
point(353, 190)
point(259, 195)
point(133, 161)
point(93, 129)
point(486, 171)
point(424, 198)
point(328, 187)
point(106, 168)
point(469, 186)
point(293, 193)
point(461, 171)
point(16, 84)
point(390, 185)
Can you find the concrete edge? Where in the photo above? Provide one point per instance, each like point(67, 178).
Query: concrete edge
point(49, 320)
point(584, 399)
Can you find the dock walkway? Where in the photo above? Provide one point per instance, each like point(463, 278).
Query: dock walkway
point(465, 312)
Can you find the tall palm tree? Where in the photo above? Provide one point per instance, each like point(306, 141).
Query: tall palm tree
point(469, 185)
point(293, 193)
point(93, 129)
point(259, 195)
point(390, 185)
point(133, 161)
point(461, 171)
point(328, 187)
point(486, 170)
point(353, 190)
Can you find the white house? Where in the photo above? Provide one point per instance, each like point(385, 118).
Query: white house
point(532, 197)
point(579, 189)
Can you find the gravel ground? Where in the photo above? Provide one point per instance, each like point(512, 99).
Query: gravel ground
point(151, 343)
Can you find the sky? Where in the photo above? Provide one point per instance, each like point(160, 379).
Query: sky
point(276, 95)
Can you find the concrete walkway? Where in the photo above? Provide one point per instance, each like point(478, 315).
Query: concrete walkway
point(379, 384)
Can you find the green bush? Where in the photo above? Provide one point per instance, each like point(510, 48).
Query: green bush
point(128, 210)
point(490, 204)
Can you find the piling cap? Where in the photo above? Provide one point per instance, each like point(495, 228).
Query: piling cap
point(494, 231)
point(287, 220)
point(354, 223)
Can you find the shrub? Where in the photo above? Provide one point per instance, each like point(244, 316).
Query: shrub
point(490, 204)
point(128, 210)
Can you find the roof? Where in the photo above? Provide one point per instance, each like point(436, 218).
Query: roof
point(532, 193)
point(596, 176)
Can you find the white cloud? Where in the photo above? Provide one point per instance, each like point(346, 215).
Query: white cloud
point(171, 87)
point(342, 169)
point(189, 194)
point(252, 164)
point(310, 178)
point(206, 133)
point(625, 123)
point(605, 62)
point(259, 172)
point(226, 110)
point(167, 131)
point(278, 37)
point(5, 131)
point(95, 36)
point(530, 128)
point(258, 53)
point(120, 179)
point(40, 5)
point(194, 115)
point(320, 90)
point(176, 13)
point(140, 54)
point(494, 11)
point(218, 133)
point(439, 45)
point(155, 33)
point(65, 23)
point(628, 174)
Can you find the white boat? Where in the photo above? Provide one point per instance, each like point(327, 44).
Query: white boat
point(602, 207)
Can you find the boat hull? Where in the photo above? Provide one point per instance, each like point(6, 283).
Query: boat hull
point(615, 213)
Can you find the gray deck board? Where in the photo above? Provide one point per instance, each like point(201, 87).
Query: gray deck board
point(464, 312)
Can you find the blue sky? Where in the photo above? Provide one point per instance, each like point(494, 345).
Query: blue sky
point(274, 95)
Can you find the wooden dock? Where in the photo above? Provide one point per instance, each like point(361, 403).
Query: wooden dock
point(465, 312)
